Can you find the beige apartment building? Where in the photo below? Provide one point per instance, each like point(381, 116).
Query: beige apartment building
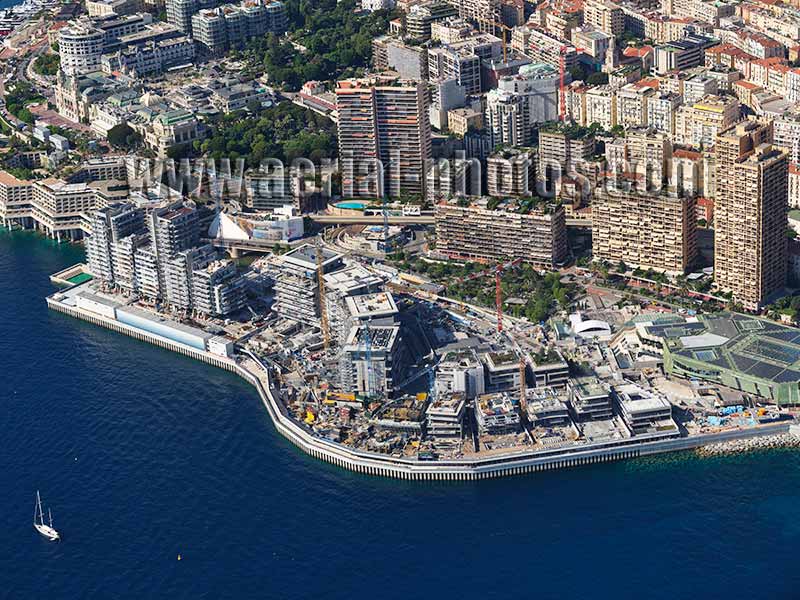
point(750, 248)
point(647, 230)
point(61, 209)
point(476, 232)
point(700, 122)
point(644, 152)
point(604, 16)
point(383, 118)
point(15, 199)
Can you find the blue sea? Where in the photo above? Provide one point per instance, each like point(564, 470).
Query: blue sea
point(145, 456)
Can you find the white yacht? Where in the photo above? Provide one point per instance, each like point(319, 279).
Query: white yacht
point(39, 524)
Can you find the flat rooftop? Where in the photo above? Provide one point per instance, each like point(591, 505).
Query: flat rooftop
point(502, 360)
point(448, 404)
point(589, 387)
point(351, 277)
point(381, 337)
point(365, 306)
point(306, 256)
point(637, 399)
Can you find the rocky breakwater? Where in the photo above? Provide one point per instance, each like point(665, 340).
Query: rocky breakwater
point(768, 442)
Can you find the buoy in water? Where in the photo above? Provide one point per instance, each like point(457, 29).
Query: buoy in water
point(179, 556)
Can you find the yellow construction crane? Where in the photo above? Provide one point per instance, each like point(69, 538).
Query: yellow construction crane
point(504, 29)
point(323, 310)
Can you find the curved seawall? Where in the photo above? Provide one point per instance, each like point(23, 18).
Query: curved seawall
point(253, 370)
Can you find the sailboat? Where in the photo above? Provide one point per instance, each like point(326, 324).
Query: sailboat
point(39, 524)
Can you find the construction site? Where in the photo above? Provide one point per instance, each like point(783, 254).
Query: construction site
point(369, 361)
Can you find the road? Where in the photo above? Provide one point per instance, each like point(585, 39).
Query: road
point(323, 219)
point(370, 220)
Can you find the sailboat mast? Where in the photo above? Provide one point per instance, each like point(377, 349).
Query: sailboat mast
point(50, 516)
point(39, 505)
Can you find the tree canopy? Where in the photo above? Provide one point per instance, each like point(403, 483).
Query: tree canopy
point(123, 136)
point(326, 40)
point(285, 132)
point(19, 98)
point(597, 78)
point(47, 64)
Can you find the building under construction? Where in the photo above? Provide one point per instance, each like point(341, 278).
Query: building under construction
point(374, 360)
point(297, 283)
point(350, 281)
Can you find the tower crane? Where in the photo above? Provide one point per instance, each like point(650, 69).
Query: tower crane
point(562, 79)
point(323, 309)
point(497, 271)
point(504, 30)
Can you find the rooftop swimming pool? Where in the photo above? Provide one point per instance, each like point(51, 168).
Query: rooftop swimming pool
point(351, 205)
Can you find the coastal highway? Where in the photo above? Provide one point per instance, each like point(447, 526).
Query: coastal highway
point(370, 220)
point(323, 219)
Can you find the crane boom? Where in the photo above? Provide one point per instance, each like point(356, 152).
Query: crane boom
point(323, 309)
point(498, 298)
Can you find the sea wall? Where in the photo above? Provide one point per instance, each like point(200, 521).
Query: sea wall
point(253, 370)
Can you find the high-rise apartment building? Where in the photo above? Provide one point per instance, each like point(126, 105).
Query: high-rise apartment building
point(462, 60)
point(604, 16)
point(536, 234)
point(700, 123)
point(178, 279)
point(210, 31)
point(511, 172)
point(661, 109)
point(421, 16)
point(644, 229)
point(384, 136)
point(562, 151)
point(644, 152)
point(750, 247)
point(180, 12)
point(505, 119)
point(15, 199)
point(231, 25)
point(483, 12)
point(80, 47)
point(109, 226)
point(218, 288)
point(532, 94)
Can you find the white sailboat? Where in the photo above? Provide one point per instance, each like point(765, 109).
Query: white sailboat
point(39, 524)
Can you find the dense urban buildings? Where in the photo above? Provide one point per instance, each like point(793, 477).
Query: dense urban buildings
point(403, 289)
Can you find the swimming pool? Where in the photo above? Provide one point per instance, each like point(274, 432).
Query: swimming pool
point(351, 205)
